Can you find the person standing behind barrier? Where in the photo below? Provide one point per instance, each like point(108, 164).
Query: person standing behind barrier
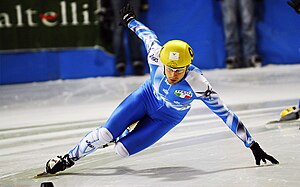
point(240, 33)
point(134, 44)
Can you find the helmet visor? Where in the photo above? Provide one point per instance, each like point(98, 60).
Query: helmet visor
point(175, 70)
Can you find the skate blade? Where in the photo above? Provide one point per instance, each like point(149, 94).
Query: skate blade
point(284, 121)
point(282, 124)
point(43, 174)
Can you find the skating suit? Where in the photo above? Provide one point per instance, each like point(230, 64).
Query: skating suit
point(160, 106)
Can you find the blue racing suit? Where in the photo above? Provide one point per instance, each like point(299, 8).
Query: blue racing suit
point(159, 106)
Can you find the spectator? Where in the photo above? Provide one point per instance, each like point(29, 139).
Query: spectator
point(240, 34)
point(134, 44)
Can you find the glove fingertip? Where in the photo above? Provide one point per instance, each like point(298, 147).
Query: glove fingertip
point(275, 161)
point(272, 159)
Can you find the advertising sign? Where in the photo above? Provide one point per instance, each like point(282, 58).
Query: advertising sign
point(31, 24)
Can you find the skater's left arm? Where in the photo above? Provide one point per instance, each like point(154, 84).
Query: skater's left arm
point(204, 91)
point(215, 104)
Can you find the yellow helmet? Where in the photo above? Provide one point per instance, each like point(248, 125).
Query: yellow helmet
point(176, 54)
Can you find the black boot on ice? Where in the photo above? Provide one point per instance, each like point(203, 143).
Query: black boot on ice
point(59, 163)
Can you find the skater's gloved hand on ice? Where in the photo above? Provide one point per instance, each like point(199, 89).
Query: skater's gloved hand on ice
point(259, 154)
point(127, 14)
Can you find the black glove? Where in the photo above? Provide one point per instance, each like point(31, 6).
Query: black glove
point(295, 4)
point(259, 154)
point(127, 14)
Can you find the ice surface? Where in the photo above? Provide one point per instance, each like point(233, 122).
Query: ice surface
point(41, 120)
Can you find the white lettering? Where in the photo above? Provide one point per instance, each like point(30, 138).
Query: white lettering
point(63, 10)
point(48, 16)
point(4, 20)
point(85, 14)
point(19, 16)
point(30, 13)
point(66, 14)
point(74, 13)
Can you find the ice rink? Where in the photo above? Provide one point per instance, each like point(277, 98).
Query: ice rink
point(41, 120)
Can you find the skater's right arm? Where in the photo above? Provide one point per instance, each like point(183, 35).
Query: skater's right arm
point(144, 33)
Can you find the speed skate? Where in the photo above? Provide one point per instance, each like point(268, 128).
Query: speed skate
point(288, 117)
point(43, 174)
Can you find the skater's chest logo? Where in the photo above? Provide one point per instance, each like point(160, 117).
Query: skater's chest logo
point(183, 94)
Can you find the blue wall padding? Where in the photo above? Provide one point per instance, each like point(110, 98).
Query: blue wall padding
point(52, 65)
point(86, 63)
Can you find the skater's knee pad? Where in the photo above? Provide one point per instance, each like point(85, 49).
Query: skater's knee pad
point(104, 135)
point(121, 150)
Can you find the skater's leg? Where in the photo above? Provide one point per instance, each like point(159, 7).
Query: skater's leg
point(147, 132)
point(98, 138)
point(90, 143)
point(129, 111)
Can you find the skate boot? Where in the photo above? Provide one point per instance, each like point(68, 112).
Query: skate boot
point(291, 113)
point(231, 62)
point(59, 163)
point(255, 61)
